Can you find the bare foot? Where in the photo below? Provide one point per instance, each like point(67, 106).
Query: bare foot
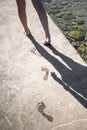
point(26, 31)
point(47, 41)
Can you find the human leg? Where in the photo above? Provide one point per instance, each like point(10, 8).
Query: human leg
point(22, 15)
point(43, 18)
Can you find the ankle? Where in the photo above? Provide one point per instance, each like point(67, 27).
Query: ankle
point(26, 31)
point(48, 39)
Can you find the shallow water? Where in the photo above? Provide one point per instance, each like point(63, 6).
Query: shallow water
point(80, 8)
point(68, 15)
point(77, 7)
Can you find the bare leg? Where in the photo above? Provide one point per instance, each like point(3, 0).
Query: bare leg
point(22, 15)
point(43, 18)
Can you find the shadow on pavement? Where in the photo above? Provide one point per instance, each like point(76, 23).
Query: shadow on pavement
point(73, 77)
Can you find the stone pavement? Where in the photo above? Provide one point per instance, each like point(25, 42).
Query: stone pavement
point(41, 88)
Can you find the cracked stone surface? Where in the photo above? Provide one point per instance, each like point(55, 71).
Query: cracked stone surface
point(61, 99)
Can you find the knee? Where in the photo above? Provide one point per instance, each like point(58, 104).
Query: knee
point(37, 4)
point(21, 4)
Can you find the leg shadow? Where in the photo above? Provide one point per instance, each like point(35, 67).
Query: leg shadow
point(74, 79)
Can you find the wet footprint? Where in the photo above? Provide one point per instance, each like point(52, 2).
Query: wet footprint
point(33, 50)
point(43, 68)
point(40, 107)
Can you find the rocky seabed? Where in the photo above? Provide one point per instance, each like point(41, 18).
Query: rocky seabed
point(71, 17)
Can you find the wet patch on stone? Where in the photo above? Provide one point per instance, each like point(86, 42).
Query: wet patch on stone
point(40, 107)
point(33, 50)
point(43, 68)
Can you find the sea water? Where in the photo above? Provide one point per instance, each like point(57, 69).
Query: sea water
point(70, 15)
